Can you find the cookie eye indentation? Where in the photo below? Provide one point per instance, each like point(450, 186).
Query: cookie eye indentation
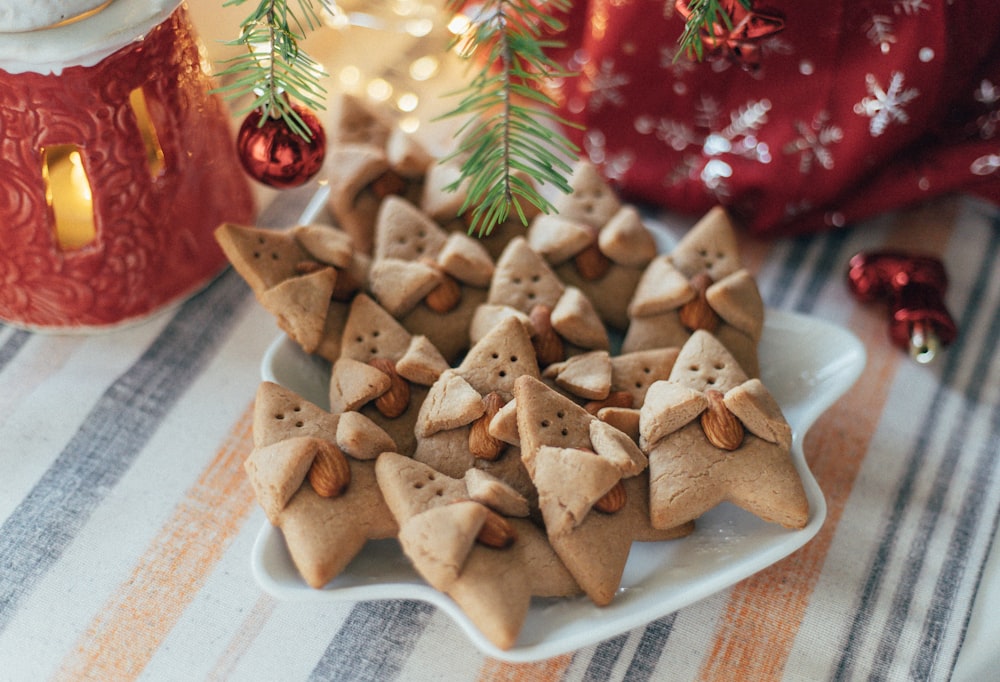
point(546, 423)
point(513, 358)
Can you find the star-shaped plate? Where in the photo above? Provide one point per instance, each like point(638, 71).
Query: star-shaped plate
point(807, 364)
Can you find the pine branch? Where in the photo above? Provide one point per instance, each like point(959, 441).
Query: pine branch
point(508, 130)
point(275, 70)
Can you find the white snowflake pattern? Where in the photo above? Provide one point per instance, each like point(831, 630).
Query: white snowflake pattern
point(813, 142)
point(712, 145)
point(985, 165)
point(604, 85)
point(988, 94)
point(909, 7)
point(884, 106)
point(614, 165)
point(879, 30)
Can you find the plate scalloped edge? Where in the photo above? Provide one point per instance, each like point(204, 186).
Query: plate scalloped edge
point(807, 364)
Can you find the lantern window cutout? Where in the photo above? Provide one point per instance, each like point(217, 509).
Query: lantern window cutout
point(154, 152)
point(69, 197)
point(67, 185)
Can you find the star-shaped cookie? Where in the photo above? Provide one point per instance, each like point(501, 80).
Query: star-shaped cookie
point(368, 159)
point(453, 429)
point(383, 371)
point(313, 473)
point(470, 547)
point(562, 321)
point(595, 243)
point(592, 487)
point(431, 280)
point(303, 275)
point(713, 434)
point(700, 284)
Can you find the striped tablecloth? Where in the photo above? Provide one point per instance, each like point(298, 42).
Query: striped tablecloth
point(126, 520)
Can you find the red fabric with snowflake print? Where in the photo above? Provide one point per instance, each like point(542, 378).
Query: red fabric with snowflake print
point(851, 108)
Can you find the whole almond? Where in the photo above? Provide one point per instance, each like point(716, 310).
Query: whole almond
point(496, 531)
point(721, 426)
point(591, 264)
point(613, 500)
point(548, 345)
point(481, 444)
point(614, 399)
point(396, 399)
point(446, 295)
point(330, 472)
point(390, 182)
point(697, 313)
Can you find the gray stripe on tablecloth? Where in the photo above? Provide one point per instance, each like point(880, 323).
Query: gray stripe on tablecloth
point(122, 421)
point(863, 618)
point(978, 581)
point(375, 641)
point(604, 659)
point(650, 649)
point(15, 342)
point(822, 273)
point(781, 286)
point(35, 535)
point(970, 516)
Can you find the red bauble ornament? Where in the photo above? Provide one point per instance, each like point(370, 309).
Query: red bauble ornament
point(914, 286)
point(277, 156)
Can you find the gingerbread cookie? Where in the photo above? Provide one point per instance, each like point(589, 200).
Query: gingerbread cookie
point(700, 284)
point(713, 434)
point(489, 562)
point(383, 371)
point(368, 159)
point(313, 473)
point(454, 429)
point(595, 243)
point(562, 320)
point(431, 280)
point(302, 275)
point(592, 486)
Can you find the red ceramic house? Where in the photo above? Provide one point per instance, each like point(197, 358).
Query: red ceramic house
point(155, 154)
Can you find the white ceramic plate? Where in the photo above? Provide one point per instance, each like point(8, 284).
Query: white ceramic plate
point(806, 363)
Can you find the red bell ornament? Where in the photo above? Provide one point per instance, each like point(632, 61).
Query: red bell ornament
point(276, 155)
point(913, 286)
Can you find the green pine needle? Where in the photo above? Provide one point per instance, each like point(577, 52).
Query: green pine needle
point(275, 70)
point(508, 130)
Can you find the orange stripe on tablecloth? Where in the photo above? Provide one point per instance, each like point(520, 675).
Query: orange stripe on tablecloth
point(758, 627)
point(549, 670)
point(132, 625)
point(252, 626)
